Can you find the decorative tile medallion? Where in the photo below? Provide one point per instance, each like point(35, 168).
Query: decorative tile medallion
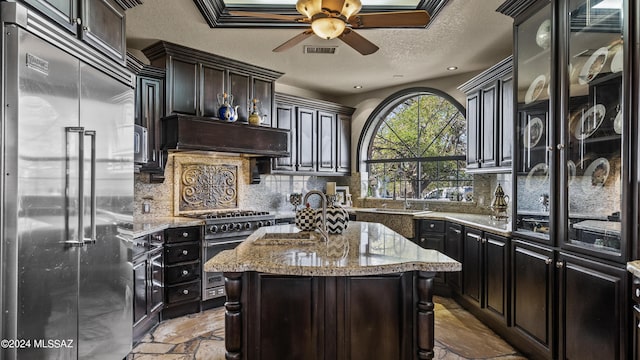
point(204, 184)
point(205, 187)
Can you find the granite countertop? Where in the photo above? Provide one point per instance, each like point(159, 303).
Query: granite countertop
point(634, 267)
point(363, 249)
point(479, 221)
point(605, 227)
point(150, 225)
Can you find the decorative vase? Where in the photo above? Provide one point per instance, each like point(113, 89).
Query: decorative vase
point(337, 216)
point(254, 114)
point(227, 111)
point(306, 219)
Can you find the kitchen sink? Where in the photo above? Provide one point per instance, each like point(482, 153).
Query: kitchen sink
point(402, 211)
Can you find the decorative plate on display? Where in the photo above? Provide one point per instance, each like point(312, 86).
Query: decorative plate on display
point(593, 66)
point(617, 123)
point(596, 174)
point(535, 89)
point(590, 121)
point(537, 177)
point(617, 60)
point(532, 133)
point(543, 35)
point(571, 171)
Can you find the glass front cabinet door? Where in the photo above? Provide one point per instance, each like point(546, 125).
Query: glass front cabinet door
point(572, 127)
point(593, 126)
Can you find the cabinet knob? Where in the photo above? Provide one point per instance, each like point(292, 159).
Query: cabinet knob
point(638, 292)
point(548, 261)
point(422, 240)
point(432, 226)
point(560, 146)
point(86, 28)
point(185, 252)
point(185, 291)
point(483, 240)
point(559, 264)
point(185, 272)
point(185, 234)
point(550, 148)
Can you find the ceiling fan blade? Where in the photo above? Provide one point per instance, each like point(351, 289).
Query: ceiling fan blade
point(359, 43)
point(294, 41)
point(295, 18)
point(414, 18)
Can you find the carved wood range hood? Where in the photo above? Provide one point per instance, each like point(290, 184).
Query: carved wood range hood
point(186, 132)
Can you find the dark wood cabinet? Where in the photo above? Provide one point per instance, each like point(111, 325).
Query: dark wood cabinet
point(286, 120)
point(99, 23)
point(533, 294)
point(182, 271)
point(321, 133)
point(489, 107)
point(306, 131)
point(148, 283)
point(430, 234)
point(304, 317)
point(149, 109)
point(593, 305)
point(195, 79)
point(453, 249)
point(485, 272)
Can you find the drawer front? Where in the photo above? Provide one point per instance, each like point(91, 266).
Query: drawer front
point(183, 273)
point(432, 226)
point(183, 292)
point(178, 253)
point(183, 234)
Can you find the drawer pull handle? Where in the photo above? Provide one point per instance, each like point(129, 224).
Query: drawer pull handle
point(638, 292)
point(185, 234)
point(185, 252)
point(457, 231)
point(185, 291)
point(185, 272)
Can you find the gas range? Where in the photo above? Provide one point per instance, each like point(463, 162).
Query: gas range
point(235, 223)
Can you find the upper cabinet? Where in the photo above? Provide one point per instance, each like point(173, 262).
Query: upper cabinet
point(573, 174)
point(490, 118)
point(319, 136)
point(195, 80)
point(100, 23)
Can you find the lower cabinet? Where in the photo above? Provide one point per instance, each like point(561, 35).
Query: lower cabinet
point(588, 297)
point(431, 235)
point(182, 271)
point(453, 244)
point(148, 286)
point(484, 275)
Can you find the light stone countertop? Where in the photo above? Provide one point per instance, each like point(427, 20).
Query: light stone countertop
point(634, 267)
point(150, 225)
point(363, 249)
point(478, 221)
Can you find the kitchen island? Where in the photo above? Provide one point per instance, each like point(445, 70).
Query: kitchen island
point(364, 294)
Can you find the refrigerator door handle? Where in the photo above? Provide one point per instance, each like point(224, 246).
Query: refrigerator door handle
point(78, 242)
point(92, 134)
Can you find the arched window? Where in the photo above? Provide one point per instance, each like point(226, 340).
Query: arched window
point(415, 147)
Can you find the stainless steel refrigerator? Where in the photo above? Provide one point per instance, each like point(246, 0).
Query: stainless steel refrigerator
point(67, 188)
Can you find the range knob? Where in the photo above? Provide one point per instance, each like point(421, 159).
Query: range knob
point(260, 224)
point(213, 228)
point(247, 226)
point(272, 222)
point(224, 227)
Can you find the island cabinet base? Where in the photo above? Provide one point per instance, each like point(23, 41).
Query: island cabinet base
point(371, 317)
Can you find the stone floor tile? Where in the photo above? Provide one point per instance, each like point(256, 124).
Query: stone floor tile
point(162, 357)
point(188, 347)
point(153, 348)
point(182, 329)
point(210, 350)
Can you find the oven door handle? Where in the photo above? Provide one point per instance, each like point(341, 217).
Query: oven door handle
point(212, 243)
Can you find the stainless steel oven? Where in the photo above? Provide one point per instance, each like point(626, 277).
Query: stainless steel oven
point(225, 231)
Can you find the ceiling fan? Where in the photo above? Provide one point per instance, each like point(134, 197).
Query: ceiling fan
point(331, 19)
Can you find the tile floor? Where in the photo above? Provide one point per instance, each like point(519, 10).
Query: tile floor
point(458, 334)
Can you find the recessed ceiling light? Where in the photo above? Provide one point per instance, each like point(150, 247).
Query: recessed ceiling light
point(357, 87)
point(451, 68)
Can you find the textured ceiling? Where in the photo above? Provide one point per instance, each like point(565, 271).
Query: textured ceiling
point(468, 34)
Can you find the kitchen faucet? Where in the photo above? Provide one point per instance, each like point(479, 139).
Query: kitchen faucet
point(322, 229)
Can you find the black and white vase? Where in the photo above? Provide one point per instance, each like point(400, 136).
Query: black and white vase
point(306, 219)
point(337, 216)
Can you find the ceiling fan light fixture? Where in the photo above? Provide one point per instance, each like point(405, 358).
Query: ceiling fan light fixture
point(328, 27)
point(309, 8)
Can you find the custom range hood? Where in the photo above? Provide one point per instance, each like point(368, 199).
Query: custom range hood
point(184, 132)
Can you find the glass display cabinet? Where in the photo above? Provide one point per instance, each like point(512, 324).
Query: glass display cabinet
point(570, 129)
